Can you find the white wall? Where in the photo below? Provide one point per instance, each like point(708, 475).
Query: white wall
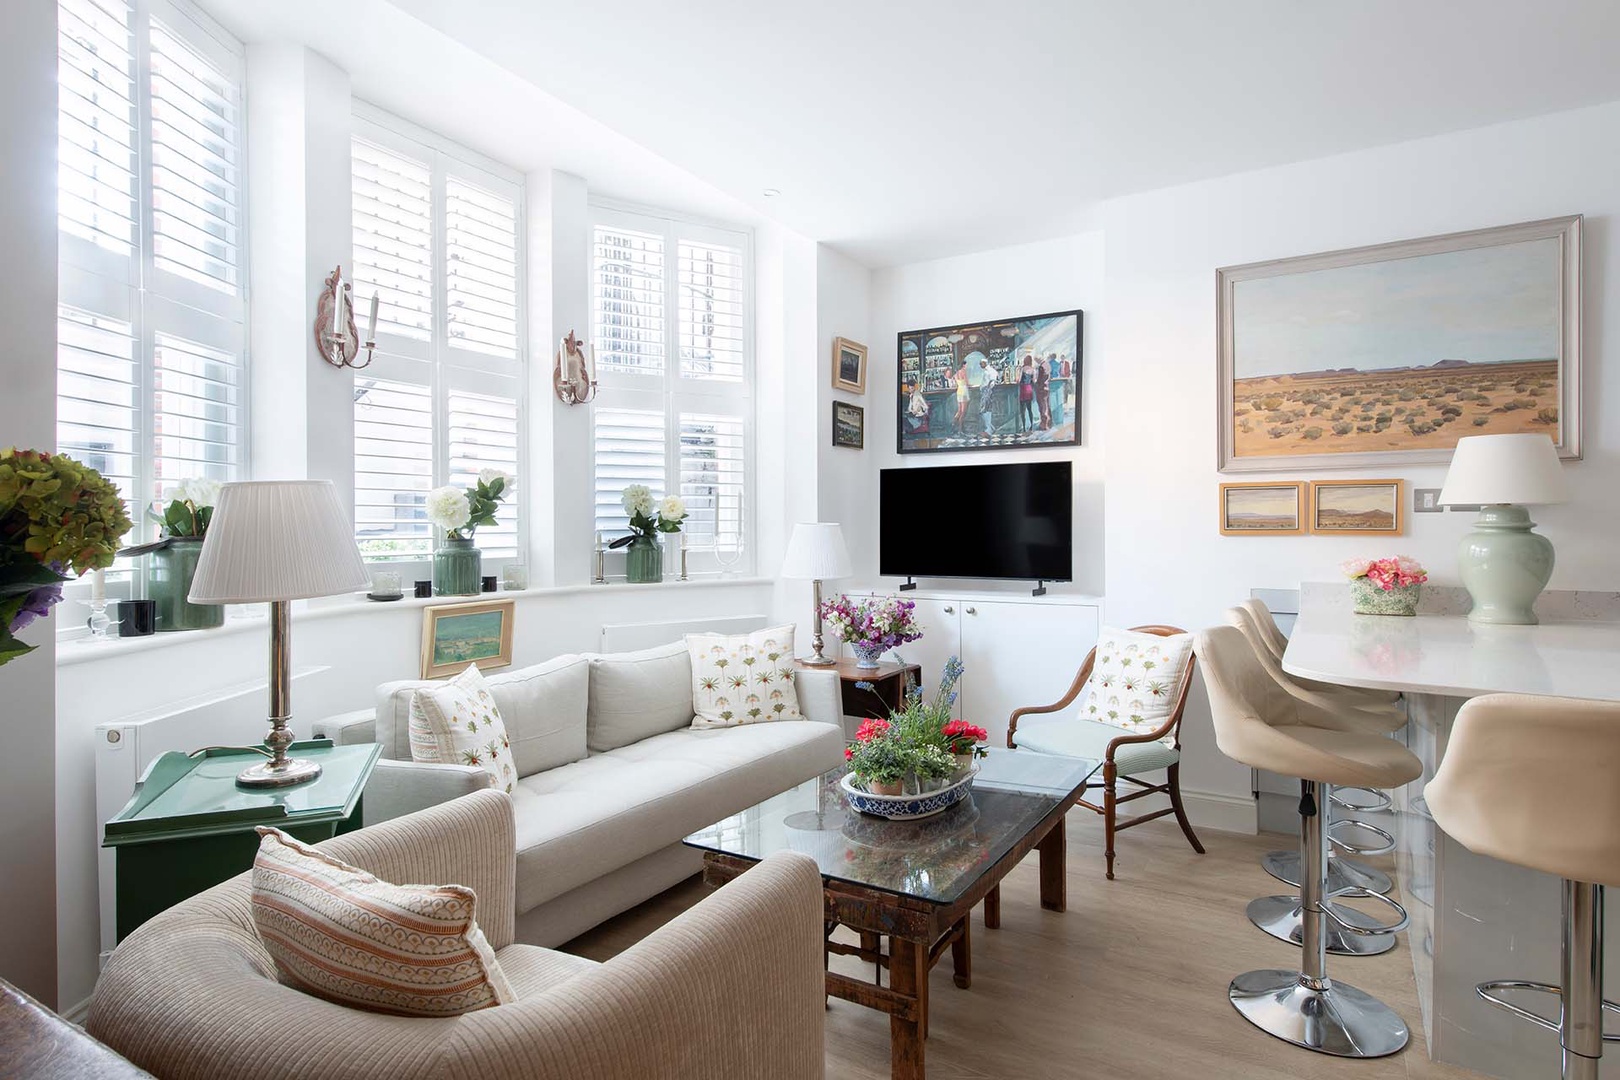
point(28, 418)
point(1165, 560)
point(843, 309)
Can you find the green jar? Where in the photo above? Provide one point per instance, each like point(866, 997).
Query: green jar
point(644, 561)
point(168, 581)
point(458, 567)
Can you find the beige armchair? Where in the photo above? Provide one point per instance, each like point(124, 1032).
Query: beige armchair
point(732, 987)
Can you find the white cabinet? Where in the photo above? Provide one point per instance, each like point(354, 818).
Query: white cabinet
point(1016, 651)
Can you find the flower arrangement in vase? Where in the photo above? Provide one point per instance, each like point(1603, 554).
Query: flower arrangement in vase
point(183, 513)
point(871, 627)
point(56, 515)
point(1385, 586)
point(649, 516)
point(456, 514)
point(920, 748)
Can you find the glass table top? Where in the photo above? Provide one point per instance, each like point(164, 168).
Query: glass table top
point(936, 859)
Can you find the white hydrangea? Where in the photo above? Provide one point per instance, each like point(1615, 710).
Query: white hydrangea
point(489, 476)
point(672, 508)
point(448, 508)
point(197, 490)
point(637, 499)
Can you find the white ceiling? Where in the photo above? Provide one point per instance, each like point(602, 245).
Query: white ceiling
point(908, 129)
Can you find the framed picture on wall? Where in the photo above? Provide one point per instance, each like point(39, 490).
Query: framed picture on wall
point(991, 385)
point(848, 425)
point(1263, 509)
point(1387, 355)
point(849, 366)
point(455, 636)
point(1364, 507)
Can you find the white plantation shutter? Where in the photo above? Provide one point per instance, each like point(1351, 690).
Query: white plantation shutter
point(97, 191)
point(196, 412)
point(483, 433)
point(712, 475)
point(393, 468)
point(98, 396)
point(628, 302)
point(710, 297)
point(629, 448)
point(480, 240)
point(393, 239)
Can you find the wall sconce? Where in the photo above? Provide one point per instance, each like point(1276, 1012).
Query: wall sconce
point(335, 334)
point(574, 375)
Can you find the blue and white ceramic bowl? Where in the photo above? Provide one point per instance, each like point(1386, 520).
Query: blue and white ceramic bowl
point(906, 807)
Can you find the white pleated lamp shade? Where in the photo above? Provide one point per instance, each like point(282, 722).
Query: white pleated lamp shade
point(816, 552)
point(1519, 469)
point(277, 540)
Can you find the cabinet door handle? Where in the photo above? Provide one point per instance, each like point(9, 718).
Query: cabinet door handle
point(950, 610)
point(971, 610)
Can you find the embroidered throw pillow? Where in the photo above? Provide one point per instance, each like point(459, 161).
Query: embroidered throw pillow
point(1134, 680)
point(743, 678)
point(457, 723)
point(339, 933)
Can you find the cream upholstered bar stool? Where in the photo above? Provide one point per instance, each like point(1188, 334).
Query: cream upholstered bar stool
point(1258, 723)
point(1277, 643)
point(1282, 916)
point(1531, 781)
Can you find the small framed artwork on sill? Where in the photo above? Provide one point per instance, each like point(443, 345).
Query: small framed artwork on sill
point(849, 366)
point(456, 636)
point(1362, 507)
point(848, 425)
point(1263, 509)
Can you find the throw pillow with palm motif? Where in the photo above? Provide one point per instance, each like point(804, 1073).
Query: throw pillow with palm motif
point(1134, 680)
point(457, 723)
point(743, 678)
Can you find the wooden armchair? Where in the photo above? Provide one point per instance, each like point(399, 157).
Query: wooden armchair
point(1124, 754)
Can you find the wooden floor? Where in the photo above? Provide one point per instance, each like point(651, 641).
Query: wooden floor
point(1130, 982)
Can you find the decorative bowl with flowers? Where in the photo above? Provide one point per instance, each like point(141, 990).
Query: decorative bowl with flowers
point(1389, 586)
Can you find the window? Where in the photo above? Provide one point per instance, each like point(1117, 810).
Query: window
point(151, 344)
point(438, 239)
point(672, 329)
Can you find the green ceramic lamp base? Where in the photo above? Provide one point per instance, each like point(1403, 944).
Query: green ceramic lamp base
point(1504, 566)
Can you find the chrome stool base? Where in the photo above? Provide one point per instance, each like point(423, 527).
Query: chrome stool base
point(1283, 917)
point(1336, 1019)
point(1342, 873)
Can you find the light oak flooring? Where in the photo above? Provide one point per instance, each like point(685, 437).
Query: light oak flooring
point(1130, 982)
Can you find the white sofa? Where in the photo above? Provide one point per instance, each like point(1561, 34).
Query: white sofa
point(611, 775)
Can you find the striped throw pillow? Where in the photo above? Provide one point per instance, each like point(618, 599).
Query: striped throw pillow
point(339, 933)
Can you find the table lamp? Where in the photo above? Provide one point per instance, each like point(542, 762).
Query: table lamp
point(276, 541)
point(816, 552)
point(1503, 564)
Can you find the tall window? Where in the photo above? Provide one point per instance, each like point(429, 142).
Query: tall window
point(151, 379)
point(438, 241)
point(672, 325)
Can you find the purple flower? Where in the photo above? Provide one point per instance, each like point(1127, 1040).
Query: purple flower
point(36, 605)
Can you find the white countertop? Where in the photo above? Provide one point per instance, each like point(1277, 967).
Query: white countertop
point(1447, 655)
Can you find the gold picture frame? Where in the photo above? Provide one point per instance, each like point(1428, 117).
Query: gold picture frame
point(1264, 508)
point(456, 636)
point(848, 366)
point(1374, 510)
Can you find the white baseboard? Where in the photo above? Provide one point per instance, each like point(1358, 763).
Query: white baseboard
point(1224, 813)
point(77, 1014)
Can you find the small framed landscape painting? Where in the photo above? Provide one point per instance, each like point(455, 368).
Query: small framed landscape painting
point(848, 425)
point(1387, 355)
point(849, 366)
point(1363, 507)
point(1263, 509)
point(455, 636)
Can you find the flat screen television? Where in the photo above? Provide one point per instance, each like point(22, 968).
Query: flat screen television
point(978, 521)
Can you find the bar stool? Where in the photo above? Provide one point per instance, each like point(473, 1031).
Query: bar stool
point(1531, 781)
point(1259, 724)
point(1282, 916)
point(1277, 643)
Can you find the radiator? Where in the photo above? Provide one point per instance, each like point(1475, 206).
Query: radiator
point(628, 637)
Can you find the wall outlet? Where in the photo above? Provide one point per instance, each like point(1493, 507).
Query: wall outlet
point(1426, 501)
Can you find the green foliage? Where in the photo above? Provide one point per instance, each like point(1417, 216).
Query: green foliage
point(56, 510)
point(182, 517)
point(883, 760)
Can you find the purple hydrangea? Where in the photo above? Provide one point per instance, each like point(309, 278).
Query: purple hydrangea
point(36, 605)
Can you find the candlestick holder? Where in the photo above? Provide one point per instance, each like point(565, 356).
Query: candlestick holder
point(335, 334)
point(99, 620)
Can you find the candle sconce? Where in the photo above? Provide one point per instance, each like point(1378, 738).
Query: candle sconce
point(574, 375)
point(335, 334)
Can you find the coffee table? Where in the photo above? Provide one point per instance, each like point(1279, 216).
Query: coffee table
point(912, 882)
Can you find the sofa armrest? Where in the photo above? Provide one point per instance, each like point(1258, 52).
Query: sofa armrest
point(397, 788)
point(821, 696)
point(348, 728)
point(734, 986)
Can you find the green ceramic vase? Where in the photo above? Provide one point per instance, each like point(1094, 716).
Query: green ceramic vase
point(168, 581)
point(1369, 599)
point(644, 561)
point(458, 567)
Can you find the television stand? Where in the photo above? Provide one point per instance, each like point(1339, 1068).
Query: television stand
point(909, 585)
point(1039, 589)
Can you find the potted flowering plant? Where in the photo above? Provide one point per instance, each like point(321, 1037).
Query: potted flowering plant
point(456, 514)
point(872, 626)
point(56, 515)
point(183, 514)
point(932, 747)
point(644, 562)
point(1385, 586)
point(878, 758)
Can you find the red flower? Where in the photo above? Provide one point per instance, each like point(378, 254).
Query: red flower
point(849, 752)
point(961, 728)
point(871, 729)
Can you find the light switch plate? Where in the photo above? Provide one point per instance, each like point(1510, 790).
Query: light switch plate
point(1426, 501)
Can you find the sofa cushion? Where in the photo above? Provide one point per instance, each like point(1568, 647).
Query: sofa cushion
point(743, 678)
point(583, 820)
point(543, 707)
point(636, 695)
point(457, 722)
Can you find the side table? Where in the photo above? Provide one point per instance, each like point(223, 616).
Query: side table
point(888, 692)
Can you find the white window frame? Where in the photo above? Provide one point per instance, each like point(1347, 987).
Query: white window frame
point(673, 392)
point(437, 363)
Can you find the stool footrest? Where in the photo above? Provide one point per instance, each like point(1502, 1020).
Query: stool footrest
point(1487, 991)
point(1401, 922)
point(1380, 800)
point(1386, 845)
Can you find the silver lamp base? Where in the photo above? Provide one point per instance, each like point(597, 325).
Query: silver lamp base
point(817, 658)
point(269, 774)
point(1333, 1019)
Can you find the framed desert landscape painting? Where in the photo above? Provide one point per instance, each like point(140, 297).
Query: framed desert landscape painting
point(456, 636)
point(1263, 509)
point(1363, 507)
point(1388, 355)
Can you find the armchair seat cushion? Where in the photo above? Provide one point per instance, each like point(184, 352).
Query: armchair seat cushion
point(1073, 737)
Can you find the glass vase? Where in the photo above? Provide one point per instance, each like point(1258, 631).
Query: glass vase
point(644, 561)
point(457, 568)
point(168, 581)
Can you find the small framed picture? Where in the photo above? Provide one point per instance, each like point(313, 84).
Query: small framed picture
point(1263, 509)
point(849, 425)
point(1363, 507)
point(849, 366)
point(455, 636)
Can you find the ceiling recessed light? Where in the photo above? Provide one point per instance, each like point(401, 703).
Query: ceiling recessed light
point(770, 193)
